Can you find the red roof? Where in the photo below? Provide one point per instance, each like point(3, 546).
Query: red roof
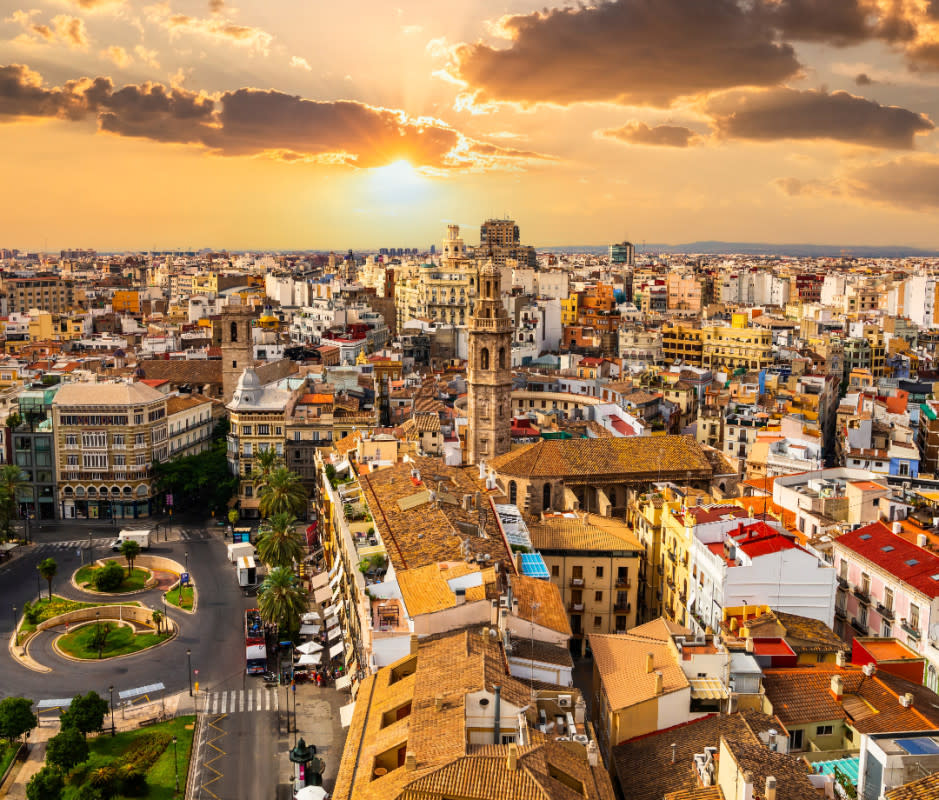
point(913, 565)
point(704, 515)
point(772, 647)
point(622, 427)
point(153, 382)
point(759, 539)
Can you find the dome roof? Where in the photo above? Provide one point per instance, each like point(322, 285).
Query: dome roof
point(490, 269)
point(249, 379)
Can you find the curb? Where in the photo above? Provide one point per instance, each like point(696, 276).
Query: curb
point(65, 656)
point(23, 658)
point(195, 599)
point(110, 594)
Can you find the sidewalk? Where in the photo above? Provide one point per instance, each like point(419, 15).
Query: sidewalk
point(317, 723)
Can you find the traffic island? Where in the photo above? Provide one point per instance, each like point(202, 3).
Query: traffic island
point(97, 641)
point(111, 578)
point(44, 609)
point(182, 597)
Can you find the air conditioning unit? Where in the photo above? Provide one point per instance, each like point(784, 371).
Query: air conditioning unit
point(564, 700)
point(582, 738)
point(562, 738)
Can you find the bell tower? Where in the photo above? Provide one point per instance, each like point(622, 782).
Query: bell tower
point(237, 346)
point(489, 371)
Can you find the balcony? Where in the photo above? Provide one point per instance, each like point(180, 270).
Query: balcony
point(624, 583)
point(577, 582)
point(864, 595)
point(623, 607)
point(841, 613)
point(914, 632)
point(886, 613)
point(858, 625)
point(661, 569)
point(575, 608)
point(842, 582)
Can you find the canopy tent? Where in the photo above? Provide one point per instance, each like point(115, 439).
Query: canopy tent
point(336, 650)
point(344, 681)
point(309, 630)
point(312, 792)
point(330, 611)
point(334, 583)
point(310, 617)
point(335, 633)
point(308, 661)
point(346, 712)
point(308, 648)
point(322, 595)
point(332, 621)
point(319, 581)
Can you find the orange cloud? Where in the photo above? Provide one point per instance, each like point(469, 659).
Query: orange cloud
point(657, 136)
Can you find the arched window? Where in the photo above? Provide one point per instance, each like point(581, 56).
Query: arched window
point(234, 331)
point(546, 497)
point(513, 492)
point(501, 358)
point(484, 358)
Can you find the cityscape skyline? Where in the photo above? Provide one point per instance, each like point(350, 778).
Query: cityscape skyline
point(136, 125)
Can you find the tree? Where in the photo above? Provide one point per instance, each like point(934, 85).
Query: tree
point(279, 543)
point(47, 568)
point(281, 601)
point(233, 516)
point(85, 713)
point(47, 784)
point(16, 717)
point(67, 749)
point(158, 619)
point(282, 491)
point(109, 577)
point(11, 485)
point(268, 461)
point(130, 550)
point(202, 481)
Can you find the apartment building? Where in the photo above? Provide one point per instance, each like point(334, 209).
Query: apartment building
point(107, 438)
point(594, 561)
point(190, 421)
point(736, 346)
point(48, 293)
point(682, 342)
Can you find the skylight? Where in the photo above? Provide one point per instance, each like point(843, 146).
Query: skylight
point(887, 548)
point(912, 562)
point(864, 536)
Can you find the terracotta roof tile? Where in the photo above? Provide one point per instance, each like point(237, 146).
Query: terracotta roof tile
point(620, 661)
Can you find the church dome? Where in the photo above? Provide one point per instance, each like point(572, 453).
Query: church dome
point(249, 379)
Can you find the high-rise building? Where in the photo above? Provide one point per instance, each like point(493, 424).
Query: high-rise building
point(489, 373)
point(623, 253)
point(499, 241)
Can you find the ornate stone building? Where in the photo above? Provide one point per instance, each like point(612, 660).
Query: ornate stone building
point(489, 373)
point(237, 346)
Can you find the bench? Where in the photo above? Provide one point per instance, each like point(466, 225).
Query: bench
point(151, 721)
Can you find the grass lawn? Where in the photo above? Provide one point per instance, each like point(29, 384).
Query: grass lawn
point(58, 605)
point(121, 641)
point(184, 602)
point(7, 751)
point(161, 777)
point(131, 583)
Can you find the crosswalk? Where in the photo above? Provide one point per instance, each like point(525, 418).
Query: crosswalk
point(100, 542)
point(239, 701)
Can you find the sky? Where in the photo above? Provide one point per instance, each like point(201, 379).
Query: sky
point(295, 124)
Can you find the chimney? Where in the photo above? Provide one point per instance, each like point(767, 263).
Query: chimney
point(410, 761)
point(897, 527)
point(497, 709)
point(921, 540)
point(840, 658)
point(511, 762)
point(674, 751)
point(438, 703)
point(593, 754)
point(580, 710)
point(413, 644)
point(650, 662)
point(659, 684)
point(460, 595)
point(869, 669)
point(906, 700)
point(750, 644)
point(837, 687)
point(770, 793)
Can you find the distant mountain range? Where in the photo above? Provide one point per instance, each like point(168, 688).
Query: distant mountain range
point(762, 249)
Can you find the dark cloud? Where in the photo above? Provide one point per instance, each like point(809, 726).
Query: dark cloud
point(216, 6)
point(250, 122)
point(629, 51)
point(837, 22)
point(658, 136)
point(794, 114)
point(863, 79)
point(932, 9)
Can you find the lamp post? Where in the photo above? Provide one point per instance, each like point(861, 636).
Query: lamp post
point(38, 583)
point(189, 670)
point(111, 690)
point(91, 550)
point(187, 562)
point(15, 633)
point(98, 631)
point(175, 764)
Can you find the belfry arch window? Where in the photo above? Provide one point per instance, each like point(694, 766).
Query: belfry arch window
point(484, 358)
point(501, 358)
point(234, 331)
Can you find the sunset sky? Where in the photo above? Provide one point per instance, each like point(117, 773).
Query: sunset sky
point(285, 124)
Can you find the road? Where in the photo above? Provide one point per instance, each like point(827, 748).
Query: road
point(247, 740)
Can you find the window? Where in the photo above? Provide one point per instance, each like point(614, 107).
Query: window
point(598, 597)
point(138, 419)
point(577, 572)
point(484, 358)
point(99, 460)
point(795, 739)
point(843, 569)
point(71, 461)
point(249, 490)
point(597, 622)
point(71, 440)
point(599, 572)
point(914, 617)
point(120, 460)
point(264, 430)
point(140, 439)
point(93, 439)
point(246, 450)
point(140, 460)
point(823, 730)
point(118, 439)
point(887, 631)
point(555, 571)
point(513, 492)
point(245, 430)
point(888, 598)
point(865, 583)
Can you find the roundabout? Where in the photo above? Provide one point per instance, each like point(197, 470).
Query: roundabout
point(98, 641)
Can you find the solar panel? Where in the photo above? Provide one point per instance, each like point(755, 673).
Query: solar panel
point(920, 746)
point(533, 566)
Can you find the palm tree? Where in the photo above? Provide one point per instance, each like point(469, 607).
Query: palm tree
point(281, 601)
point(279, 542)
point(282, 491)
point(157, 619)
point(12, 484)
point(268, 461)
point(130, 550)
point(47, 568)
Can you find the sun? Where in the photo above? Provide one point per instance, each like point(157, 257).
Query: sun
point(397, 173)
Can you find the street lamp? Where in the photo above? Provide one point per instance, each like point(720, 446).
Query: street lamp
point(189, 661)
point(187, 562)
point(98, 631)
point(15, 634)
point(175, 764)
point(111, 690)
point(91, 551)
point(38, 583)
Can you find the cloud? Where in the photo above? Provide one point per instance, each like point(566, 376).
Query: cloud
point(63, 28)
point(254, 122)
point(793, 114)
point(215, 27)
point(658, 136)
point(149, 57)
point(300, 63)
point(863, 79)
point(836, 22)
point(95, 5)
point(410, 30)
point(909, 183)
point(216, 6)
point(118, 55)
point(646, 52)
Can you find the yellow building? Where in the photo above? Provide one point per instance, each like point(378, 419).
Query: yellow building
point(594, 561)
point(40, 325)
point(681, 342)
point(569, 309)
point(735, 346)
point(126, 301)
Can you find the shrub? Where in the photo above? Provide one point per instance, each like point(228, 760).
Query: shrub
point(109, 577)
point(88, 792)
point(47, 784)
point(31, 613)
point(133, 782)
point(143, 752)
point(104, 779)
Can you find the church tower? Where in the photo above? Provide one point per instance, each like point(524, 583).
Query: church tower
point(237, 346)
point(489, 372)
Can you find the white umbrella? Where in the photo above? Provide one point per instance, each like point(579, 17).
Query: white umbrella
point(308, 661)
point(308, 648)
point(311, 793)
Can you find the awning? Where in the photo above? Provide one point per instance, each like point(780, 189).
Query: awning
point(319, 581)
point(330, 611)
point(308, 648)
point(344, 681)
point(334, 583)
point(332, 621)
point(346, 711)
point(310, 617)
point(321, 595)
point(335, 650)
point(707, 689)
point(336, 564)
point(308, 660)
point(309, 630)
point(335, 633)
